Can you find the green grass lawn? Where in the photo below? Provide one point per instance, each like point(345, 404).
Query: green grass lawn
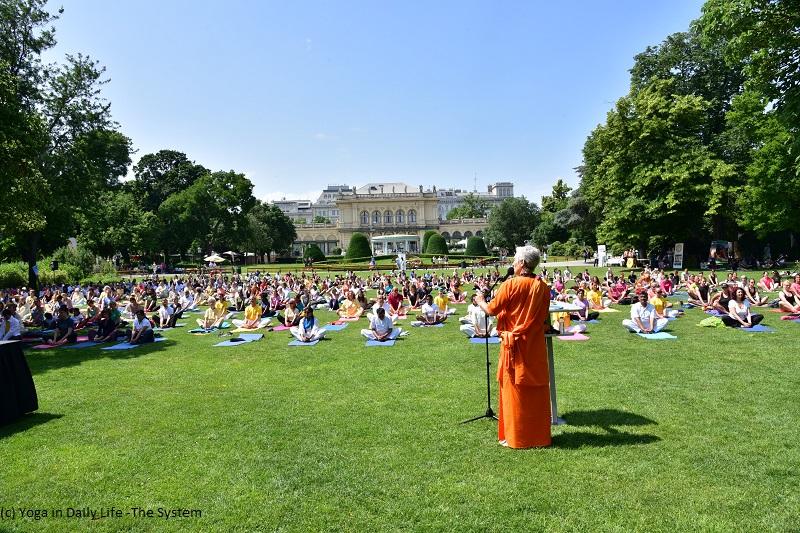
point(700, 433)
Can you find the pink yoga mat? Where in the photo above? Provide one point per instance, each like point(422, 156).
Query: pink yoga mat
point(280, 328)
point(44, 346)
point(574, 337)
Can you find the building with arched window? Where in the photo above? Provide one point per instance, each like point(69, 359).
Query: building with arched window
point(394, 216)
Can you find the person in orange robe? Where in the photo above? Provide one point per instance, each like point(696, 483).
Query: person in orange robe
point(522, 309)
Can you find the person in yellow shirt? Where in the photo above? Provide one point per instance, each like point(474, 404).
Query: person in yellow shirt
point(662, 306)
point(350, 308)
point(595, 298)
point(214, 315)
point(441, 302)
point(252, 316)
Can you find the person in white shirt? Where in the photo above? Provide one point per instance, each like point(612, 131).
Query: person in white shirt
point(308, 329)
point(380, 303)
point(10, 328)
point(142, 329)
point(381, 327)
point(644, 318)
point(429, 314)
point(476, 324)
point(187, 300)
point(164, 314)
point(739, 315)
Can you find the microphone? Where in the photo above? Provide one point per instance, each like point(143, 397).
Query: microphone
point(509, 273)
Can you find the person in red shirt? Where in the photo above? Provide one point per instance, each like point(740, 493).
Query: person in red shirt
point(395, 300)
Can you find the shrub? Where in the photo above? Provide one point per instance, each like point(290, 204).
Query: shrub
point(13, 275)
point(336, 252)
point(313, 252)
point(80, 257)
point(436, 245)
point(426, 237)
point(100, 279)
point(476, 246)
point(556, 248)
point(359, 247)
point(53, 277)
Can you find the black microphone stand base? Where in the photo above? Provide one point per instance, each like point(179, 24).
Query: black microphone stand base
point(488, 414)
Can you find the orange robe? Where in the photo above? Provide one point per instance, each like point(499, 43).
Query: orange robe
point(522, 310)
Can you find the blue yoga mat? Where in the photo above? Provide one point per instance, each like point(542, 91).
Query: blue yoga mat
point(379, 343)
point(660, 336)
point(479, 340)
point(760, 328)
point(87, 344)
point(249, 337)
point(595, 321)
point(298, 343)
point(232, 343)
point(335, 327)
point(128, 346)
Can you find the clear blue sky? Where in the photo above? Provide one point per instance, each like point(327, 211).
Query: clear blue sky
point(299, 95)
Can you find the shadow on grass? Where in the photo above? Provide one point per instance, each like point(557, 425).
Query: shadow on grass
point(605, 419)
point(25, 423)
point(46, 360)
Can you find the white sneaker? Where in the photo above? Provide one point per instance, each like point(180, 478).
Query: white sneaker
point(503, 443)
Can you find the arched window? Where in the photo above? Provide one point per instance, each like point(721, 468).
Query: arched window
point(467, 234)
point(388, 217)
point(446, 235)
point(457, 235)
point(479, 233)
point(376, 217)
point(412, 217)
point(398, 217)
point(364, 218)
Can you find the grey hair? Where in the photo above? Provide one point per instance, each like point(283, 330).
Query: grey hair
point(529, 255)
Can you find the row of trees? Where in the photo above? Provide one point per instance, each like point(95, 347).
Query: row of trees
point(62, 160)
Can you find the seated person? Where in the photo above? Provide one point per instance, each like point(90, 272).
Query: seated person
point(584, 314)
point(164, 316)
point(142, 332)
point(214, 316)
point(663, 306)
point(618, 293)
point(643, 317)
point(10, 327)
point(457, 295)
point(477, 324)
point(788, 301)
point(739, 315)
point(187, 301)
point(721, 300)
point(78, 300)
point(106, 327)
point(291, 315)
point(751, 292)
point(442, 303)
point(700, 294)
point(77, 318)
point(252, 316)
point(380, 303)
point(430, 313)
point(595, 298)
point(65, 329)
point(766, 283)
point(381, 327)
point(562, 324)
point(467, 319)
point(414, 299)
point(350, 309)
point(308, 330)
point(395, 299)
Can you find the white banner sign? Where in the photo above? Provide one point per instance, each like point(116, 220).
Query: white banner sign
point(601, 255)
point(677, 256)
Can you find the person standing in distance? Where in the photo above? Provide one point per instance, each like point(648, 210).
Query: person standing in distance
point(522, 308)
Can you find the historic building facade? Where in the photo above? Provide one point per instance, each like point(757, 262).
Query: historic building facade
point(395, 216)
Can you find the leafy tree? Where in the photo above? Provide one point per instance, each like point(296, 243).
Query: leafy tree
point(425, 237)
point(512, 222)
point(476, 246)
point(160, 175)
point(314, 253)
point(211, 212)
point(268, 230)
point(548, 230)
point(61, 146)
point(472, 206)
point(114, 222)
point(319, 219)
point(557, 199)
point(359, 247)
point(648, 176)
point(436, 245)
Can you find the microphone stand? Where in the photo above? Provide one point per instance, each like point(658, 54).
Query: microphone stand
point(489, 412)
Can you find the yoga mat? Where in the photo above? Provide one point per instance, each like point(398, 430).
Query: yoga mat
point(335, 327)
point(595, 321)
point(379, 343)
point(714, 312)
point(249, 337)
point(44, 346)
point(607, 310)
point(482, 340)
point(229, 343)
point(280, 328)
point(439, 325)
point(660, 336)
point(83, 338)
point(796, 320)
point(87, 344)
point(199, 331)
point(573, 337)
point(298, 343)
point(128, 346)
point(245, 330)
point(760, 328)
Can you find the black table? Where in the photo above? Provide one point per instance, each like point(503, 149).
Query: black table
point(17, 391)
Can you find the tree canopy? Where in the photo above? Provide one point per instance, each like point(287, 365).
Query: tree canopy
point(512, 222)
